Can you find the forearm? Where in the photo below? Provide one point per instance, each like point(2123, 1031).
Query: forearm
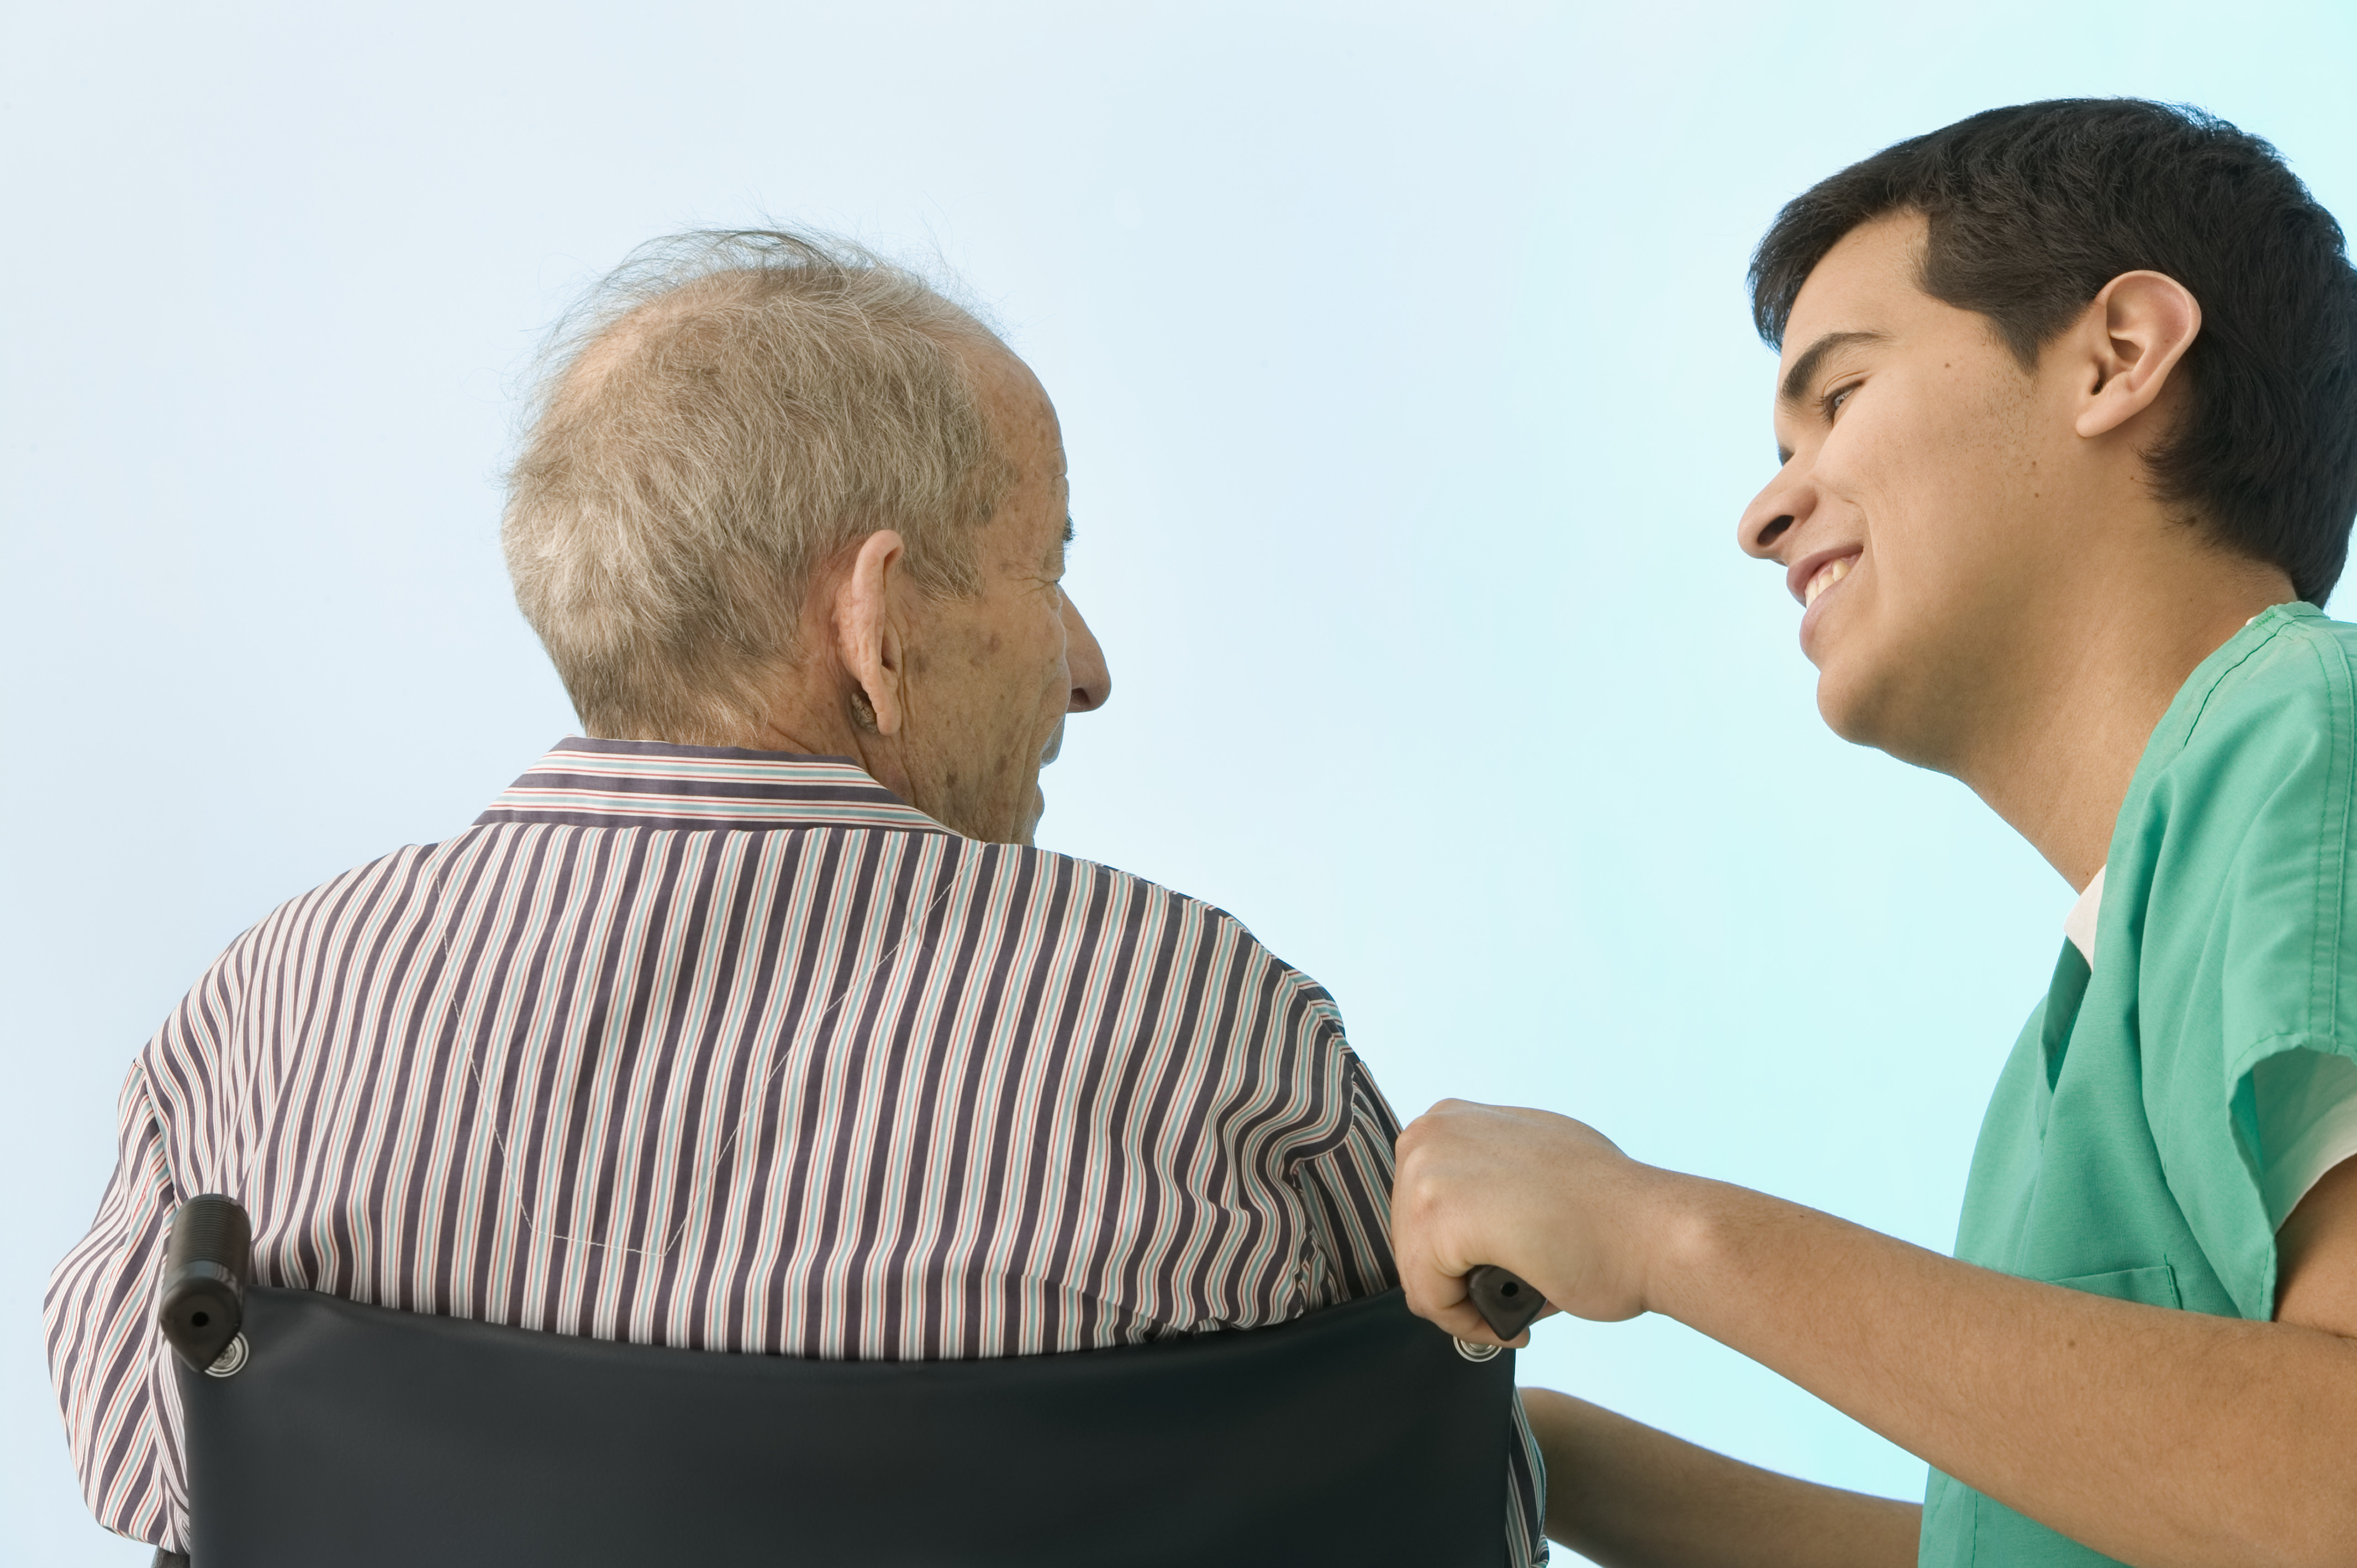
point(1625, 1496)
point(2167, 1439)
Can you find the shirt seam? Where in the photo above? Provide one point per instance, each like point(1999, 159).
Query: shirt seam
point(2201, 709)
point(2331, 871)
point(656, 822)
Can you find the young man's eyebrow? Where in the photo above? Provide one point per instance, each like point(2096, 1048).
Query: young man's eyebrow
point(1805, 369)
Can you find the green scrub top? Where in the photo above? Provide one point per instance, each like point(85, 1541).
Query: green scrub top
point(2119, 1155)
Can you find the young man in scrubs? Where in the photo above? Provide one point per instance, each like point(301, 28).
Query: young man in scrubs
point(2068, 413)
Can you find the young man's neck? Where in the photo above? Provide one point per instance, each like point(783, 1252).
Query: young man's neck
point(2058, 762)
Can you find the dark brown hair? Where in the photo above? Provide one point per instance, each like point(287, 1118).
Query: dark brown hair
point(2032, 209)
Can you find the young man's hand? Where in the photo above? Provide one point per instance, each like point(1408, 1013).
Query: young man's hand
point(2165, 1438)
point(1546, 1197)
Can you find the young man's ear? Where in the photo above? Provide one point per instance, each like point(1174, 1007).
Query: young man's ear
point(868, 633)
point(2134, 333)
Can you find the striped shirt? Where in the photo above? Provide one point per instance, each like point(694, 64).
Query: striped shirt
point(736, 1051)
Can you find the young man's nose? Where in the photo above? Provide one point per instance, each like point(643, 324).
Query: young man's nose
point(1091, 683)
point(1773, 513)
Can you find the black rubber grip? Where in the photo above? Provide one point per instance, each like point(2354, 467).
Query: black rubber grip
point(1505, 1301)
point(202, 1304)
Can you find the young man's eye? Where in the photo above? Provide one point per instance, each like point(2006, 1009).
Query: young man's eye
point(1837, 396)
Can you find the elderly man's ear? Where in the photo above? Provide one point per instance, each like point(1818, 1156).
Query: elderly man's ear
point(868, 633)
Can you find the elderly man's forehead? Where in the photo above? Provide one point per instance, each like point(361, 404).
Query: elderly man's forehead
point(1011, 392)
point(1000, 372)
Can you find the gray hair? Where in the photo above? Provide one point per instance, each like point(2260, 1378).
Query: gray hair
point(726, 412)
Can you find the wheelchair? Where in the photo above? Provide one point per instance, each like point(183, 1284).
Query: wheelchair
point(325, 1432)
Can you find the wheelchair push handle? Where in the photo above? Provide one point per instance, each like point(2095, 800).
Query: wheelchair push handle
point(205, 1264)
point(1505, 1300)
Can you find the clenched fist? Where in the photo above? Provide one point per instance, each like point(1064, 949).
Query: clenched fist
point(1544, 1195)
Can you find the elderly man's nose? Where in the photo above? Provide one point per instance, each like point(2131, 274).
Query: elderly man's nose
point(1091, 683)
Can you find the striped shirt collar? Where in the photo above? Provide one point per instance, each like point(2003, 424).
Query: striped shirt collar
point(651, 784)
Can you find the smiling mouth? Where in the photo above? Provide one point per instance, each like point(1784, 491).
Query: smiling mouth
point(1829, 573)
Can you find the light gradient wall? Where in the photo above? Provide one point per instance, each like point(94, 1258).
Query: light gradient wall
point(1410, 394)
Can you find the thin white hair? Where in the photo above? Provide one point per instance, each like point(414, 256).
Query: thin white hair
point(723, 414)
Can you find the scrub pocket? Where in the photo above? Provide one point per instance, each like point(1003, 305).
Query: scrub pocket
point(2154, 1286)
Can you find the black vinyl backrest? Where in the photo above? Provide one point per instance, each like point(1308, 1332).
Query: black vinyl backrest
point(357, 1437)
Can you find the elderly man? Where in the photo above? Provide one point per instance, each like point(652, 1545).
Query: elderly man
point(752, 1023)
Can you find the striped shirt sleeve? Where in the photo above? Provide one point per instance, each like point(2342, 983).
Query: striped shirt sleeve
point(113, 1379)
point(1347, 1190)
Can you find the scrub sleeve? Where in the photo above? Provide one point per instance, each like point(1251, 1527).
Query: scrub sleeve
point(2120, 1152)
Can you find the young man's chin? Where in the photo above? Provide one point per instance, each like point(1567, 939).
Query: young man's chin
point(1841, 717)
point(1860, 708)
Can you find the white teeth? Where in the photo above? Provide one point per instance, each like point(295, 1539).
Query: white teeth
point(1832, 571)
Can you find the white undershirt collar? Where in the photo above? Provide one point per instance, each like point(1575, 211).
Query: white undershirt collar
point(2079, 925)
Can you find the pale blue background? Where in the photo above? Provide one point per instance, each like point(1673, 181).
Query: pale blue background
point(1405, 366)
